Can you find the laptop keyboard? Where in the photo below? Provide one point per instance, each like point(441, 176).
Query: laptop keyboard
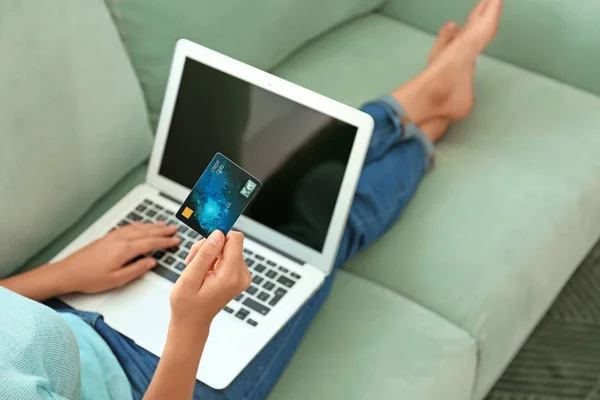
point(270, 281)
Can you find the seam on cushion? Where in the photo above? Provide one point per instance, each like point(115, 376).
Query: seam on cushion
point(120, 27)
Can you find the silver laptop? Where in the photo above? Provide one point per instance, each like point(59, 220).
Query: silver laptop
point(283, 134)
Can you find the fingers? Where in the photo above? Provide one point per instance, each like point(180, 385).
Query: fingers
point(139, 230)
point(151, 243)
point(133, 271)
point(193, 251)
point(233, 249)
point(232, 265)
point(205, 256)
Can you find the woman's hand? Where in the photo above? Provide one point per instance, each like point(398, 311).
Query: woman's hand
point(216, 272)
point(107, 262)
point(102, 265)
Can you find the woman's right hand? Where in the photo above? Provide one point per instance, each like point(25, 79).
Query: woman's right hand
point(216, 272)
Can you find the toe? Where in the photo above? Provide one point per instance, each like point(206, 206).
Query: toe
point(446, 34)
point(479, 9)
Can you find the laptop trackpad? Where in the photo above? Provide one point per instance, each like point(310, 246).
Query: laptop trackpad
point(140, 311)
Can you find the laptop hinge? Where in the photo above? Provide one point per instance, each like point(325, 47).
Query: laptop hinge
point(262, 243)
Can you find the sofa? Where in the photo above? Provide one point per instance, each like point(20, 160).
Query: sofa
point(438, 306)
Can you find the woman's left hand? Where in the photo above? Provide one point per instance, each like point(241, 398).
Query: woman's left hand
point(107, 263)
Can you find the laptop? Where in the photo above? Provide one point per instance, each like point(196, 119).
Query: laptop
point(281, 133)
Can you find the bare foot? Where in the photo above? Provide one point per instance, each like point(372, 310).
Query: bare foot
point(445, 88)
point(447, 32)
point(435, 128)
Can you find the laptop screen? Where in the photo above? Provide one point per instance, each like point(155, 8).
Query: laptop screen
point(299, 154)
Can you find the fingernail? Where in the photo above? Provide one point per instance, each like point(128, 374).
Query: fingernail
point(151, 263)
point(216, 237)
point(176, 239)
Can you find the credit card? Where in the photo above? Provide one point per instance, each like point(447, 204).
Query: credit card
point(220, 196)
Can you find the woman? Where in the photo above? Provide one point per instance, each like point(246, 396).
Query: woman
point(105, 364)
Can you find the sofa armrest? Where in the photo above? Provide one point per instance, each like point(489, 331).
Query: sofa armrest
point(556, 38)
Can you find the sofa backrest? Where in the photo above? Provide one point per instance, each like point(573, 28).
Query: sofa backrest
point(261, 33)
point(72, 119)
point(556, 38)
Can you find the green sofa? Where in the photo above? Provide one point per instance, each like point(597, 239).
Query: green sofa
point(436, 308)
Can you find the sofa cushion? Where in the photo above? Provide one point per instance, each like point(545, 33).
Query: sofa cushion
point(557, 38)
point(259, 33)
point(370, 343)
point(72, 119)
point(511, 207)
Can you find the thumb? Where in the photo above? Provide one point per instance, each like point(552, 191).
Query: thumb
point(134, 270)
point(205, 257)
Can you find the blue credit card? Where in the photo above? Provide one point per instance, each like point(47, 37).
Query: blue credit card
point(220, 196)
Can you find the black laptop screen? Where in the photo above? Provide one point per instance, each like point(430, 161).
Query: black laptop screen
point(298, 153)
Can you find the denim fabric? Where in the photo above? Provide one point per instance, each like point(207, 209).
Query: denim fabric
point(393, 168)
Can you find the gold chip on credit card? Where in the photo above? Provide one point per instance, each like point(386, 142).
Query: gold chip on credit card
point(187, 212)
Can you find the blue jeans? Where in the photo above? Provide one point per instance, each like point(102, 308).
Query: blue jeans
point(392, 171)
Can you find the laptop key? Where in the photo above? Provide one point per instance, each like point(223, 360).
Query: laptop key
point(260, 268)
point(249, 263)
point(158, 255)
point(134, 216)
point(140, 208)
point(256, 306)
point(269, 285)
point(284, 270)
point(295, 275)
point(257, 279)
point(271, 263)
point(238, 297)
point(228, 310)
point(123, 223)
point(169, 212)
point(275, 300)
point(263, 296)
point(188, 245)
point(251, 289)
point(271, 274)
point(193, 234)
point(146, 201)
point(280, 292)
point(170, 260)
point(285, 281)
point(161, 217)
point(252, 322)
point(183, 254)
point(158, 207)
point(249, 252)
point(180, 266)
point(259, 257)
point(242, 314)
point(151, 213)
point(172, 250)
